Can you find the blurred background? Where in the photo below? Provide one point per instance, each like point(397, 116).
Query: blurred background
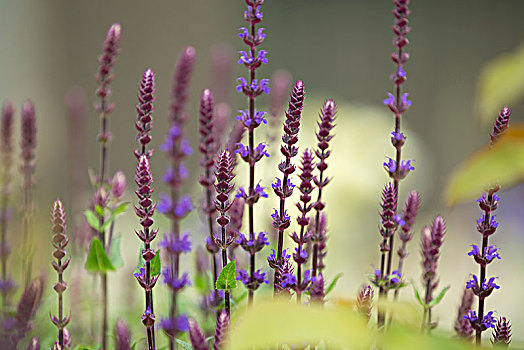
point(341, 50)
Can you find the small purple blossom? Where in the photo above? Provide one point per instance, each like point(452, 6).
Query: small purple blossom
point(276, 215)
point(248, 121)
point(489, 321)
point(260, 191)
point(176, 245)
point(287, 280)
point(183, 207)
point(247, 58)
point(175, 283)
point(404, 168)
point(174, 326)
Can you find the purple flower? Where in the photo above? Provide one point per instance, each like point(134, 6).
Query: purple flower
point(401, 72)
point(276, 215)
point(176, 245)
point(395, 277)
point(174, 283)
point(488, 321)
point(390, 100)
point(278, 183)
point(471, 316)
point(245, 117)
point(183, 207)
point(174, 326)
point(287, 280)
point(259, 190)
point(241, 193)
point(404, 168)
point(405, 101)
point(140, 273)
point(258, 276)
point(258, 14)
point(244, 33)
point(248, 59)
point(164, 205)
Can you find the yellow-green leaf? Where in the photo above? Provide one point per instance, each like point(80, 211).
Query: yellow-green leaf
point(501, 83)
point(503, 164)
point(227, 278)
point(97, 260)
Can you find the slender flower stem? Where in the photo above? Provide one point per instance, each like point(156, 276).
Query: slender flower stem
point(104, 77)
point(177, 207)
point(60, 241)
point(284, 188)
point(324, 136)
point(6, 148)
point(224, 175)
point(252, 59)
point(27, 147)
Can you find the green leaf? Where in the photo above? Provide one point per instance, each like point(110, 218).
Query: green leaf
point(237, 299)
point(501, 83)
point(156, 265)
point(114, 252)
point(417, 295)
point(333, 283)
point(439, 297)
point(107, 223)
point(97, 260)
point(99, 210)
point(120, 209)
point(503, 164)
point(93, 220)
point(227, 278)
point(201, 283)
point(183, 344)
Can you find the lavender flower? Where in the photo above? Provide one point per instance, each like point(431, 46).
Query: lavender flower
point(304, 206)
point(6, 149)
point(317, 289)
point(104, 77)
point(405, 233)
point(463, 326)
point(181, 81)
point(387, 230)
point(365, 301)
point(27, 169)
point(284, 189)
point(144, 108)
point(60, 241)
point(144, 210)
point(251, 118)
point(482, 286)
point(175, 205)
point(324, 136)
point(221, 330)
point(25, 312)
point(122, 336)
point(224, 175)
point(208, 147)
point(502, 333)
point(432, 239)
point(501, 124)
point(198, 340)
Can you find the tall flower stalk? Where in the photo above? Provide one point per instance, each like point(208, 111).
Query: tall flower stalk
point(432, 239)
point(145, 210)
point(304, 206)
point(27, 168)
point(6, 156)
point(284, 188)
point(223, 186)
point(208, 147)
point(60, 241)
point(398, 104)
point(487, 224)
point(324, 135)
point(409, 214)
point(252, 59)
point(104, 107)
point(175, 206)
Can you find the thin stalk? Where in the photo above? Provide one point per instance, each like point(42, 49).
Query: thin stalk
point(487, 216)
point(281, 230)
point(224, 263)
point(314, 265)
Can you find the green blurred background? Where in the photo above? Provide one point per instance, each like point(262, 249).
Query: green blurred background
point(341, 50)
